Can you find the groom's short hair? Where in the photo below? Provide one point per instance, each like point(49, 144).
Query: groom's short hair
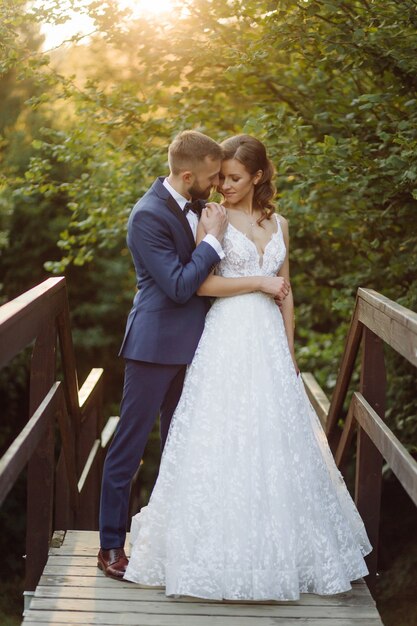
point(191, 147)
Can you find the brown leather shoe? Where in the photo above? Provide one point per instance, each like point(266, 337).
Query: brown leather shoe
point(113, 562)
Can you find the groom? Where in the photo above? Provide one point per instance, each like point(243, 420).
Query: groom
point(166, 321)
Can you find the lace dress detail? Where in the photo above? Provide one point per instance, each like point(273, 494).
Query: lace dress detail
point(242, 257)
point(248, 503)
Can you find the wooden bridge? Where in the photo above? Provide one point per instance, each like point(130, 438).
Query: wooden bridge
point(63, 584)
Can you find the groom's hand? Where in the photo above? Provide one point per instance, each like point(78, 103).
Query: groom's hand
point(214, 219)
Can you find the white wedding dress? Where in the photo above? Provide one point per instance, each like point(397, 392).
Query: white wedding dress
point(248, 503)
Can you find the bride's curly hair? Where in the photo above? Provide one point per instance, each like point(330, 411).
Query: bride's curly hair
point(252, 154)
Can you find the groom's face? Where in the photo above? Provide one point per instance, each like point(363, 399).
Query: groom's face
point(205, 177)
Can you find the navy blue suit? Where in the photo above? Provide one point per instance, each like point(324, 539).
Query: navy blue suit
point(162, 333)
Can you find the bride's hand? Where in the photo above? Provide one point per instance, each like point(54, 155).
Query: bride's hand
point(214, 219)
point(275, 286)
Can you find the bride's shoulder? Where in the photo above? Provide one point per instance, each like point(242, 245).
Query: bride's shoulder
point(282, 221)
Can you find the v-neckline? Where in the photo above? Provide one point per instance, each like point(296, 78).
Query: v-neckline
point(260, 256)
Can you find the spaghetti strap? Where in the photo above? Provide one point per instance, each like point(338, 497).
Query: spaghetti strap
point(279, 227)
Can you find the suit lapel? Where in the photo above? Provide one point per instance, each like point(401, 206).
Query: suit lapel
point(174, 208)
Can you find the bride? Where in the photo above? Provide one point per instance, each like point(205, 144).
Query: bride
point(248, 504)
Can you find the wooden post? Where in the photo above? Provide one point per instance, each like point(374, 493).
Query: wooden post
point(89, 450)
point(64, 514)
point(87, 514)
point(343, 379)
point(40, 477)
point(369, 459)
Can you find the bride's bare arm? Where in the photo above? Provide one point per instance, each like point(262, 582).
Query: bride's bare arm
point(220, 287)
point(287, 306)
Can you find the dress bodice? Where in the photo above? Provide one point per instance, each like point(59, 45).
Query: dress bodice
point(242, 257)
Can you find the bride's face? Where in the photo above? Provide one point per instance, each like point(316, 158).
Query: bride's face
point(236, 183)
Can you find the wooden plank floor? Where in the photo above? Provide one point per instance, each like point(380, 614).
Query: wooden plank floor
point(73, 591)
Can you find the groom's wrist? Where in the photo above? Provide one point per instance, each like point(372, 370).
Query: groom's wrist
point(215, 244)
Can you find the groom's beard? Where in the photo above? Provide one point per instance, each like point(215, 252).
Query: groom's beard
point(199, 194)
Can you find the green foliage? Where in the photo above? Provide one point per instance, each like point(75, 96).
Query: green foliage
point(329, 85)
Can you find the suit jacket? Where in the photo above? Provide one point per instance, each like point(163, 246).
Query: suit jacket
point(167, 318)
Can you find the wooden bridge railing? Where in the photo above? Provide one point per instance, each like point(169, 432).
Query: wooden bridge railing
point(65, 494)
point(68, 491)
point(375, 320)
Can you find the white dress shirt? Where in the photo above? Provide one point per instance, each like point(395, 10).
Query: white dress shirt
point(193, 219)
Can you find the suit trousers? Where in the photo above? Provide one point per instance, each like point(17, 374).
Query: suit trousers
point(149, 389)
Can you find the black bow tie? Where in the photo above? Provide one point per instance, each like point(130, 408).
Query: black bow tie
point(195, 206)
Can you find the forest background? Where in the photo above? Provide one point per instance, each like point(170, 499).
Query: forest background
point(330, 86)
